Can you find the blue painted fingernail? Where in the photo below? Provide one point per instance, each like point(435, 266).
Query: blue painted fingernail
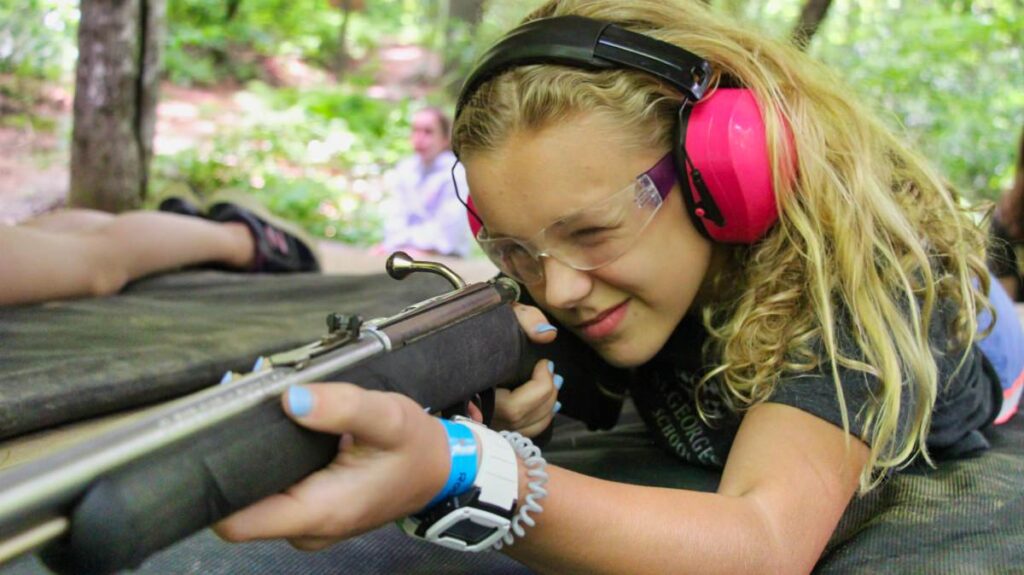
point(259, 363)
point(544, 328)
point(300, 401)
point(559, 382)
point(558, 407)
point(551, 366)
point(226, 378)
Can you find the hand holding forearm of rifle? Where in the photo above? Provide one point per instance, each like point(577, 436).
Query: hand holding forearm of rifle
point(391, 462)
point(393, 457)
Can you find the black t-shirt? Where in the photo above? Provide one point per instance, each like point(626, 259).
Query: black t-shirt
point(663, 391)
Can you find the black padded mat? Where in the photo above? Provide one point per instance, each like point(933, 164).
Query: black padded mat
point(966, 516)
point(168, 336)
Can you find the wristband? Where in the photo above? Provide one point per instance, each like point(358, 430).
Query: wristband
point(462, 449)
point(481, 516)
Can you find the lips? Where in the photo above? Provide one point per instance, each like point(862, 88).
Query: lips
point(605, 323)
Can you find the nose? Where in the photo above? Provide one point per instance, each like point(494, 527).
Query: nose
point(564, 287)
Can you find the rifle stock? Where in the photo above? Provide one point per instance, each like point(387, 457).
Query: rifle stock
point(438, 353)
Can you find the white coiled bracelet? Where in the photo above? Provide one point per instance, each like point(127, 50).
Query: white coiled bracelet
point(538, 477)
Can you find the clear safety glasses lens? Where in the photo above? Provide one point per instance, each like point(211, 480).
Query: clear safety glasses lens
point(585, 240)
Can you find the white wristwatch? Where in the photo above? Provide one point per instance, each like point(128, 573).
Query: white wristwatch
point(476, 519)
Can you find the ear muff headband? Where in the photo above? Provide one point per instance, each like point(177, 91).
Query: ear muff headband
point(721, 153)
point(585, 43)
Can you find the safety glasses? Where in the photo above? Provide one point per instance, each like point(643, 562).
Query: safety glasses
point(591, 237)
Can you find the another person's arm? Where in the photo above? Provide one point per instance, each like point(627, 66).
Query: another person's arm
point(41, 264)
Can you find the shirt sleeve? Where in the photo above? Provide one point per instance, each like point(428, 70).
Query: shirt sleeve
point(967, 399)
point(816, 393)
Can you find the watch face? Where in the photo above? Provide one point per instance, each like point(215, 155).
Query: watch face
point(468, 531)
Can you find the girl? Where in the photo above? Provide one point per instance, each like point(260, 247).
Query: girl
point(797, 306)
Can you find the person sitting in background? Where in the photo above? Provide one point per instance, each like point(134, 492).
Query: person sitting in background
point(426, 217)
point(1008, 232)
point(78, 253)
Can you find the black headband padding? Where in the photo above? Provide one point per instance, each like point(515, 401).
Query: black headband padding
point(586, 43)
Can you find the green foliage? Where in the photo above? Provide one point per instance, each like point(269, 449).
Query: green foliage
point(205, 45)
point(948, 73)
point(312, 156)
point(952, 73)
point(37, 37)
point(465, 44)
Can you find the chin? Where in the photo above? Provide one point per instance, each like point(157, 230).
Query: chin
point(623, 355)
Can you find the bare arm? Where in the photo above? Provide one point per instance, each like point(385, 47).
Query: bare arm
point(39, 264)
point(788, 479)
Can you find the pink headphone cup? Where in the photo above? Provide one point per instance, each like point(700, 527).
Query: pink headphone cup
point(474, 224)
point(726, 141)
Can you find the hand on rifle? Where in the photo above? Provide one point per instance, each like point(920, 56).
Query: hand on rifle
point(393, 460)
point(529, 408)
point(393, 457)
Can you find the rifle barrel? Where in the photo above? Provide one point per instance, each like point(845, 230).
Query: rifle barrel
point(32, 538)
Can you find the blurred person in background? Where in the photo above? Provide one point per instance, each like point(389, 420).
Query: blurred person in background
point(426, 218)
point(1008, 232)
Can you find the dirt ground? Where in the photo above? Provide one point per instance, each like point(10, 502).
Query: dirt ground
point(33, 179)
point(33, 148)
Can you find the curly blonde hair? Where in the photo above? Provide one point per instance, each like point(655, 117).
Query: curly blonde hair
point(867, 229)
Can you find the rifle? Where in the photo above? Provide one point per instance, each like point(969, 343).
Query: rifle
point(109, 502)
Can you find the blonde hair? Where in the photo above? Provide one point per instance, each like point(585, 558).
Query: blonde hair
point(867, 229)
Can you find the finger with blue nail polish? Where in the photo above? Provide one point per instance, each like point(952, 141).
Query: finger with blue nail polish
point(300, 401)
point(559, 382)
point(384, 469)
point(557, 408)
point(533, 322)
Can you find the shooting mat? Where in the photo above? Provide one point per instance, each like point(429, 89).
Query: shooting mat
point(166, 336)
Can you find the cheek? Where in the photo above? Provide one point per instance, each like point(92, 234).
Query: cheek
point(668, 266)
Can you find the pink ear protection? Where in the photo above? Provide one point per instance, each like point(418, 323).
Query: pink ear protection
point(724, 150)
point(722, 153)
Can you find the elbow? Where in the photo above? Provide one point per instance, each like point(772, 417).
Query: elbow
point(107, 281)
point(777, 553)
point(104, 272)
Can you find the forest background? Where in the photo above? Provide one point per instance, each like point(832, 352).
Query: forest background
point(306, 103)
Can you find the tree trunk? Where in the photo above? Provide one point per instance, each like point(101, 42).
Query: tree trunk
point(470, 11)
point(119, 45)
point(340, 63)
point(811, 17)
